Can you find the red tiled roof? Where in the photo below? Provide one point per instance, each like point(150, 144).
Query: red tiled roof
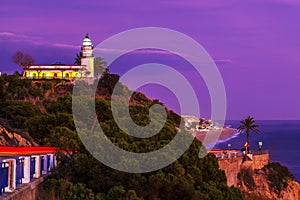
point(9, 151)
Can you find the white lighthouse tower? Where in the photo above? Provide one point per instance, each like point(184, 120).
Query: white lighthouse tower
point(87, 58)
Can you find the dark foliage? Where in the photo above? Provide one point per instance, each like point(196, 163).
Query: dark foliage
point(278, 176)
point(80, 176)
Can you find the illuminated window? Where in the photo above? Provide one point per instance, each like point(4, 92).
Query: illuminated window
point(44, 75)
point(67, 75)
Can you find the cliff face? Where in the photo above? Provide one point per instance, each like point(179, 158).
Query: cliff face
point(261, 188)
point(232, 168)
point(12, 139)
point(253, 178)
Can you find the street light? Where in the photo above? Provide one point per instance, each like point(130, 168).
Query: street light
point(229, 146)
point(260, 144)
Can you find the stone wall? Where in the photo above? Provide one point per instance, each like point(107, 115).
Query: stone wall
point(232, 166)
point(258, 185)
point(259, 161)
point(26, 191)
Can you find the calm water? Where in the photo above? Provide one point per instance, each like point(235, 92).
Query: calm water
point(281, 138)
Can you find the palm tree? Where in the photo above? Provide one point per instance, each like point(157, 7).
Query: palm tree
point(78, 58)
point(248, 124)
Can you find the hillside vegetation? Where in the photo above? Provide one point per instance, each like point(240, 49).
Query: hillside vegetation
point(42, 110)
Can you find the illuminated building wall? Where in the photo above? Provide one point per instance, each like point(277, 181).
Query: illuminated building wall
point(63, 71)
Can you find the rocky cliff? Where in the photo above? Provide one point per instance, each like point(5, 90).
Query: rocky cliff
point(8, 138)
point(260, 187)
point(259, 179)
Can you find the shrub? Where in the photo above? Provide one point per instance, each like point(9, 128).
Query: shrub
point(278, 176)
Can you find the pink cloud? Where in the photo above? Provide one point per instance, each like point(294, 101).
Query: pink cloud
point(61, 45)
point(16, 36)
point(34, 40)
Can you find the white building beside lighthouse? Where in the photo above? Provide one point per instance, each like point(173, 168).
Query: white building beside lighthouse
point(65, 71)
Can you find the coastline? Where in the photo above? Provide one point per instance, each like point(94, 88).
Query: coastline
point(226, 134)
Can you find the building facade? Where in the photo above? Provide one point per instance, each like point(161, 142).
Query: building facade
point(65, 71)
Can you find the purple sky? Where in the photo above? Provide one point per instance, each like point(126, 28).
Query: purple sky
point(255, 43)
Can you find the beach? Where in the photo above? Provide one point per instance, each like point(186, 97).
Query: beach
point(226, 134)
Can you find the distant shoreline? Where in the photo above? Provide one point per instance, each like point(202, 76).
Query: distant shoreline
point(226, 134)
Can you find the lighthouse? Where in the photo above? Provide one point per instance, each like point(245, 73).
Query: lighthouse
point(87, 58)
point(60, 70)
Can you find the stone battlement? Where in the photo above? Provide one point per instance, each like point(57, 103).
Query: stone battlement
point(232, 161)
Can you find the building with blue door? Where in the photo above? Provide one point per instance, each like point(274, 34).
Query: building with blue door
point(20, 165)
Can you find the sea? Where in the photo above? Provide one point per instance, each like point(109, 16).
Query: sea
point(280, 137)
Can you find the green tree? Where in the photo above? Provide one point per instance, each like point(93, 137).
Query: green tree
point(2, 88)
point(22, 59)
point(116, 192)
point(65, 139)
point(65, 190)
point(248, 125)
point(99, 66)
point(39, 126)
point(18, 111)
point(62, 104)
point(79, 175)
point(78, 192)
